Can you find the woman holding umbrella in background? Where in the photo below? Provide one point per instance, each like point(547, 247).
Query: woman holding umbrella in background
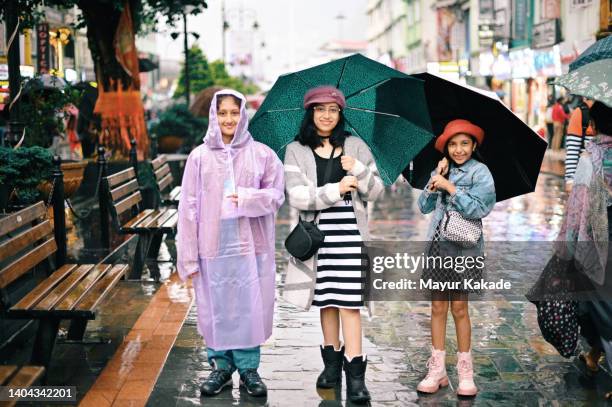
point(329, 176)
point(469, 190)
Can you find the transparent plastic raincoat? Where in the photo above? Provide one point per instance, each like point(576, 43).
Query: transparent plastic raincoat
point(229, 249)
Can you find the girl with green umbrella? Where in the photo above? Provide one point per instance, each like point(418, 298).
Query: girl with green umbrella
point(330, 175)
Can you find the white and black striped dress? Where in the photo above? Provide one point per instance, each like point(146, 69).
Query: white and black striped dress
point(340, 279)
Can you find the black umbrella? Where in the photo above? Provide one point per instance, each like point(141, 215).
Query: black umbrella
point(512, 150)
point(146, 65)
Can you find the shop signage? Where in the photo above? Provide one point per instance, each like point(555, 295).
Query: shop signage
point(547, 63)
point(551, 9)
point(521, 23)
point(4, 75)
point(42, 48)
point(581, 3)
point(545, 34)
point(521, 62)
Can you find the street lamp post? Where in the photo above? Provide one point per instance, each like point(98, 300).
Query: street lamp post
point(15, 125)
point(174, 36)
point(186, 46)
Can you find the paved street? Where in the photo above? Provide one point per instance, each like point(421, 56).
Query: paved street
point(513, 365)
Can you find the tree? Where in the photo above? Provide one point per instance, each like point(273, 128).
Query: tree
point(111, 29)
point(202, 75)
point(199, 73)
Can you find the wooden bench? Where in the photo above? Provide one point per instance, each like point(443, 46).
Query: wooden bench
point(150, 225)
point(72, 292)
point(164, 180)
point(20, 377)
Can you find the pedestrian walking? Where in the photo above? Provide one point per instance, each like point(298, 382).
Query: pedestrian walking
point(558, 117)
point(330, 177)
point(579, 133)
point(462, 186)
point(232, 188)
point(549, 120)
point(589, 207)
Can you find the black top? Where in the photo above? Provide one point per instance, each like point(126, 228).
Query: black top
point(337, 173)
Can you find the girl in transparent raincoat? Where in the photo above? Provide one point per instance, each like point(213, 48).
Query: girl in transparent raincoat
point(232, 188)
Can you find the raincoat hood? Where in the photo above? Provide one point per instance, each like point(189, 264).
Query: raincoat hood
point(213, 138)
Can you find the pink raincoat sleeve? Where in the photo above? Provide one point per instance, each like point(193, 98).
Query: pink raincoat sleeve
point(256, 202)
point(187, 239)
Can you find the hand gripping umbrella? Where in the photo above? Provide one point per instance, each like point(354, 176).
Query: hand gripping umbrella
point(385, 107)
point(511, 149)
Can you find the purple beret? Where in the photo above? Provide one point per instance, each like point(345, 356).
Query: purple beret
point(324, 94)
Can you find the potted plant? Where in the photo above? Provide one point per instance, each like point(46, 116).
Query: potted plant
point(44, 105)
point(22, 170)
point(177, 127)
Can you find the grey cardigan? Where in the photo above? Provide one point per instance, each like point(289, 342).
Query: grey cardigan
point(303, 194)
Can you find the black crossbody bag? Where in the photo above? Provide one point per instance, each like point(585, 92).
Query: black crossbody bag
point(306, 238)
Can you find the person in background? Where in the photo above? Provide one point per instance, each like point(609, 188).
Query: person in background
point(558, 117)
point(579, 133)
point(549, 120)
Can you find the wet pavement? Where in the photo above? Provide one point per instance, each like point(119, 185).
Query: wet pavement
point(513, 364)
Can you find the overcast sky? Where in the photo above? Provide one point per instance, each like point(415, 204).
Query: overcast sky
point(292, 30)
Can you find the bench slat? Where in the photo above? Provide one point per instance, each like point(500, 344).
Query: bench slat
point(175, 193)
point(144, 224)
point(171, 223)
point(138, 218)
point(25, 263)
point(159, 222)
point(159, 161)
point(6, 371)
point(83, 287)
point(18, 219)
point(127, 203)
point(162, 172)
point(24, 239)
point(166, 182)
point(120, 177)
point(62, 289)
point(34, 296)
point(25, 377)
point(124, 190)
point(102, 288)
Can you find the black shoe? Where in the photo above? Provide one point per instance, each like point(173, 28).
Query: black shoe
point(253, 384)
point(356, 390)
point(332, 372)
point(216, 381)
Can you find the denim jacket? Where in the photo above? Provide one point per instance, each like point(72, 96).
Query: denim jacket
point(474, 198)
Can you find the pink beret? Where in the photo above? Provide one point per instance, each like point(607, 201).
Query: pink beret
point(455, 127)
point(324, 94)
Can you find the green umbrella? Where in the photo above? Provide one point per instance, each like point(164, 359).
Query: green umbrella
point(591, 80)
point(385, 107)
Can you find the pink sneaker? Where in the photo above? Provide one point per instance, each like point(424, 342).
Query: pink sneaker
point(436, 376)
point(465, 370)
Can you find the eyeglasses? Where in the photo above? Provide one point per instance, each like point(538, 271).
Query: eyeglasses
point(331, 110)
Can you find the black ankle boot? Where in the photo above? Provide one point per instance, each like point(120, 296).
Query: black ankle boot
point(356, 390)
point(332, 373)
